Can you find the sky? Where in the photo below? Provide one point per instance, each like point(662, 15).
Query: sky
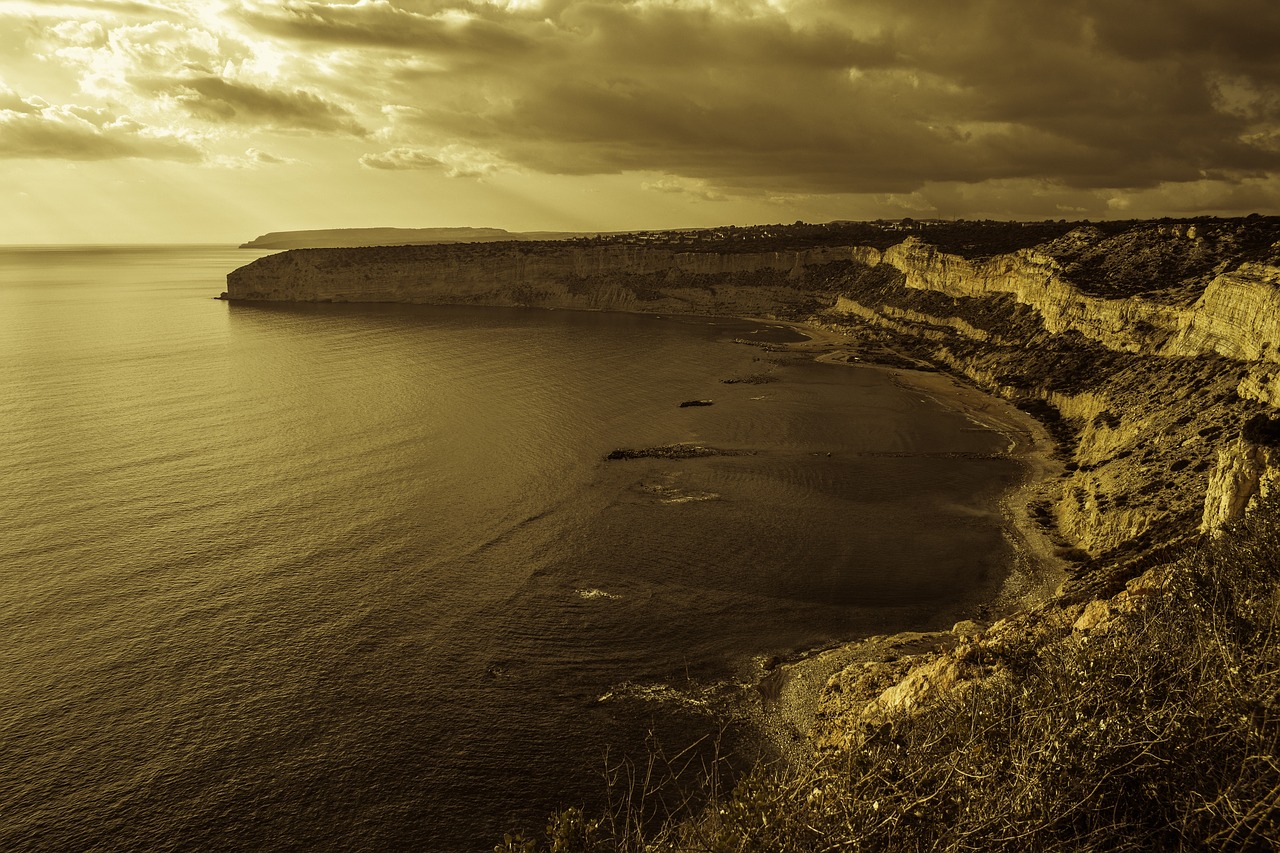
point(152, 121)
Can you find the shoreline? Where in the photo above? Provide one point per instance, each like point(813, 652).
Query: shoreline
point(1030, 444)
point(789, 691)
point(783, 693)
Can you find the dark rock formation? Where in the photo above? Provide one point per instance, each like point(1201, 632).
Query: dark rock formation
point(670, 451)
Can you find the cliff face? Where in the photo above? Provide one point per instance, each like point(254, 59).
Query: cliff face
point(1237, 315)
point(1032, 279)
point(610, 278)
point(1245, 474)
point(1146, 350)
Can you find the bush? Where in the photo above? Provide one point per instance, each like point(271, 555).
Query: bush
point(1261, 429)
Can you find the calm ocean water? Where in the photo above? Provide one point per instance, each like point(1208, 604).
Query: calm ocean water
point(356, 577)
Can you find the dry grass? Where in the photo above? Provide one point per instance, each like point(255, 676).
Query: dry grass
point(1161, 734)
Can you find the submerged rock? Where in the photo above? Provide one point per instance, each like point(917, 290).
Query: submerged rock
point(669, 451)
point(754, 379)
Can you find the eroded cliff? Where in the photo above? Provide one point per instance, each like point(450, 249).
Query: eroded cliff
point(1147, 347)
point(1150, 351)
point(613, 277)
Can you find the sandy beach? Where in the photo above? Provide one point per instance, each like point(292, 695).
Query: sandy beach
point(1029, 443)
point(790, 690)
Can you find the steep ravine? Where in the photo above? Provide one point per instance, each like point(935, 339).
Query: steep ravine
point(1151, 352)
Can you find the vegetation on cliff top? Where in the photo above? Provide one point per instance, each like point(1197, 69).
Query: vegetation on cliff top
point(1154, 729)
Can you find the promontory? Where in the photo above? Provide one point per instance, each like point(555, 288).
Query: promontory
point(1134, 707)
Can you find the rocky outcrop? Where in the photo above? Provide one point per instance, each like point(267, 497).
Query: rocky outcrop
point(1035, 280)
point(1237, 316)
point(863, 698)
point(1246, 473)
point(670, 451)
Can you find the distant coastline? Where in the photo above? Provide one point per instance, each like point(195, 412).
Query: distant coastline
point(331, 238)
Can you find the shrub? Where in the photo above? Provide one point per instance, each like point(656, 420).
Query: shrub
point(1261, 429)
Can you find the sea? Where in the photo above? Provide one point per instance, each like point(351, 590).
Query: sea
point(362, 577)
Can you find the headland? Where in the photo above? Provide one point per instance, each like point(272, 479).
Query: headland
point(1149, 351)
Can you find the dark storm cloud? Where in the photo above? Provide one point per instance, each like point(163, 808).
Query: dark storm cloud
point(875, 96)
point(1142, 119)
point(219, 100)
point(704, 39)
point(1242, 32)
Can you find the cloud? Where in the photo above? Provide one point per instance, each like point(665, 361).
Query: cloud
point(871, 97)
point(1194, 197)
point(217, 99)
point(33, 128)
point(252, 158)
point(456, 161)
point(401, 159)
point(1076, 103)
point(212, 76)
point(1239, 33)
point(380, 23)
point(678, 186)
point(264, 159)
point(137, 8)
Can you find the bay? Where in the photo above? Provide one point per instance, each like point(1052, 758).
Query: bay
point(360, 576)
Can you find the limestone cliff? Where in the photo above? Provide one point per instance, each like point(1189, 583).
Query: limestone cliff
point(1246, 473)
point(1238, 314)
point(1145, 346)
point(614, 277)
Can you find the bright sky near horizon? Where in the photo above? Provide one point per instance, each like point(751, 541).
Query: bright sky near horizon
point(194, 121)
